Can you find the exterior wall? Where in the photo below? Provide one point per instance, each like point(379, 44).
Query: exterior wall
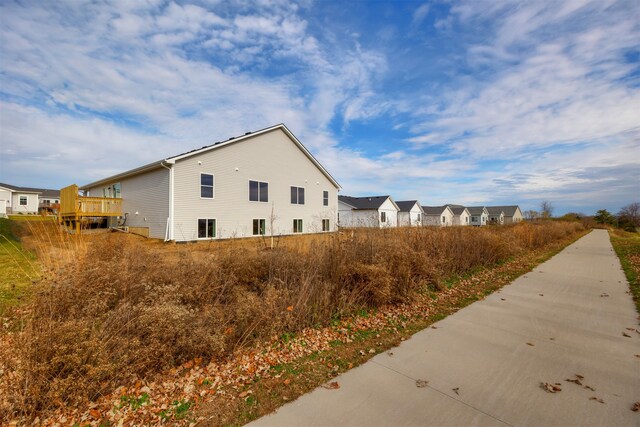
point(496, 219)
point(145, 200)
point(270, 157)
point(391, 213)
point(463, 219)
point(350, 218)
point(31, 206)
point(5, 201)
point(436, 220)
point(412, 218)
point(517, 217)
point(480, 219)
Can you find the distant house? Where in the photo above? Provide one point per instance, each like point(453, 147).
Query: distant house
point(373, 211)
point(512, 214)
point(496, 215)
point(25, 200)
point(410, 213)
point(261, 183)
point(440, 216)
point(461, 215)
point(479, 215)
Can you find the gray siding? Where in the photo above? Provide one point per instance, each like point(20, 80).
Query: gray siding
point(145, 200)
point(270, 157)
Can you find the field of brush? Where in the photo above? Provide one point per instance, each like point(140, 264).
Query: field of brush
point(110, 307)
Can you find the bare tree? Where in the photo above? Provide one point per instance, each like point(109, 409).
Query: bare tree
point(546, 209)
point(531, 214)
point(629, 216)
point(272, 219)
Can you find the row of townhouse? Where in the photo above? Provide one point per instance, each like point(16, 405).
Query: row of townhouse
point(260, 183)
point(383, 211)
point(26, 200)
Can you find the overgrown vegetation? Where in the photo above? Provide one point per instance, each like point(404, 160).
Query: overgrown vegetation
point(121, 308)
point(17, 267)
point(627, 247)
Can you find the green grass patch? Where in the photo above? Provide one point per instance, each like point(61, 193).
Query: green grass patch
point(18, 267)
point(627, 247)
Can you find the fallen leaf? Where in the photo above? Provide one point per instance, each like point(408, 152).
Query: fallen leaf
point(635, 407)
point(503, 299)
point(624, 334)
point(550, 388)
point(290, 308)
point(287, 381)
point(333, 385)
point(434, 327)
point(576, 381)
point(95, 413)
point(541, 295)
point(631, 329)
point(457, 390)
point(421, 383)
point(372, 350)
point(530, 344)
point(243, 394)
point(590, 388)
point(390, 353)
point(597, 399)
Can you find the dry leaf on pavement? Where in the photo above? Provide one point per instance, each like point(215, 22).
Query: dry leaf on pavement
point(551, 388)
point(333, 385)
point(421, 383)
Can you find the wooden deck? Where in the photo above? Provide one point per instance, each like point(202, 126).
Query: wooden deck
point(73, 207)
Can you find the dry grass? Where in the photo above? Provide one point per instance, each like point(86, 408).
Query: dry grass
point(121, 307)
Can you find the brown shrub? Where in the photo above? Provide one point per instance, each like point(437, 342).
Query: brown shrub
point(120, 307)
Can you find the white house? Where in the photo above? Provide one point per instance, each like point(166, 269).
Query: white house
point(439, 216)
point(479, 215)
point(19, 200)
point(461, 215)
point(512, 214)
point(374, 211)
point(410, 213)
point(496, 215)
point(261, 183)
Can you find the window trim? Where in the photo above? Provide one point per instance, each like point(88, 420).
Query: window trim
point(301, 229)
point(298, 195)
point(215, 228)
point(26, 201)
point(328, 225)
point(323, 198)
point(383, 217)
point(213, 188)
point(265, 226)
point(249, 189)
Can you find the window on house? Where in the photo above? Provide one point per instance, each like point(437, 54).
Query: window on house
point(383, 216)
point(443, 219)
point(23, 200)
point(325, 198)
point(206, 186)
point(297, 226)
point(206, 228)
point(258, 191)
point(297, 195)
point(419, 218)
point(466, 219)
point(325, 225)
point(474, 219)
point(259, 227)
point(116, 190)
point(57, 201)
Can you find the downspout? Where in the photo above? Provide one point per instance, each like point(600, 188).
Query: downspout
point(169, 229)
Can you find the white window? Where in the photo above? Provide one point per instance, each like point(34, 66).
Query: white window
point(259, 227)
point(258, 191)
point(23, 200)
point(206, 186)
point(325, 198)
point(297, 195)
point(443, 219)
point(206, 228)
point(419, 218)
point(325, 225)
point(297, 226)
point(383, 216)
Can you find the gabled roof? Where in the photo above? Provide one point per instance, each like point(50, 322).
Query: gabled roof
point(457, 209)
point(407, 205)
point(434, 210)
point(508, 210)
point(476, 210)
point(494, 210)
point(365, 203)
point(44, 192)
point(235, 139)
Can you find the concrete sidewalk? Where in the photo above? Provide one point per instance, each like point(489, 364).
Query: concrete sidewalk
point(566, 317)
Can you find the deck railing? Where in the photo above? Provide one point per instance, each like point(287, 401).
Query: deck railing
point(74, 205)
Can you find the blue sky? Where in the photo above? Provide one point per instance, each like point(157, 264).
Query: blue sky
point(471, 102)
